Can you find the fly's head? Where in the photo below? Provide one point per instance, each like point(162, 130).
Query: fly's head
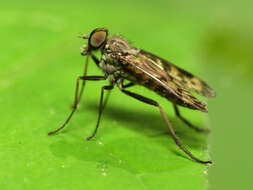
point(96, 40)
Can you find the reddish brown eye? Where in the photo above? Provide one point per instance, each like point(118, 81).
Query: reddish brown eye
point(98, 38)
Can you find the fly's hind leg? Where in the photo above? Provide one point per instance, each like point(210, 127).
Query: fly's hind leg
point(173, 134)
point(188, 123)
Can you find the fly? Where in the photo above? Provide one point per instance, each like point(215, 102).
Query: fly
point(121, 62)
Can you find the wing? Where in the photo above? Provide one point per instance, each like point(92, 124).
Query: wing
point(152, 74)
point(187, 80)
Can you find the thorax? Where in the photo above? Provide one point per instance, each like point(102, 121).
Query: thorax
point(115, 48)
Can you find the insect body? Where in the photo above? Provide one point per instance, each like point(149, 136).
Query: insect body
point(120, 61)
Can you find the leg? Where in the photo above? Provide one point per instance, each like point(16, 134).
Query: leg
point(83, 82)
point(128, 85)
point(100, 109)
point(174, 136)
point(106, 99)
point(76, 99)
point(95, 59)
point(187, 122)
point(124, 86)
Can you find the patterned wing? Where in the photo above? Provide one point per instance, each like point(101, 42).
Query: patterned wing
point(187, 80)
point(152, 75)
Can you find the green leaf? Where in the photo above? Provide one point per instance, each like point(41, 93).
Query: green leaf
point(40, 63)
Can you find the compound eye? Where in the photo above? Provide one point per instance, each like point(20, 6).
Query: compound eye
point(98, 37)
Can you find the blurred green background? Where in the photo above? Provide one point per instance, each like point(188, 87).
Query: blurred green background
point(40, 60)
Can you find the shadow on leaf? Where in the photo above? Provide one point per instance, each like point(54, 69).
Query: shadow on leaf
point(136, 155)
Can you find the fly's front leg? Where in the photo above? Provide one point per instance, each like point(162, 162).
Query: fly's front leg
point(172, 132)
point(83, 81)
point(95, 59)
point(93, 78)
